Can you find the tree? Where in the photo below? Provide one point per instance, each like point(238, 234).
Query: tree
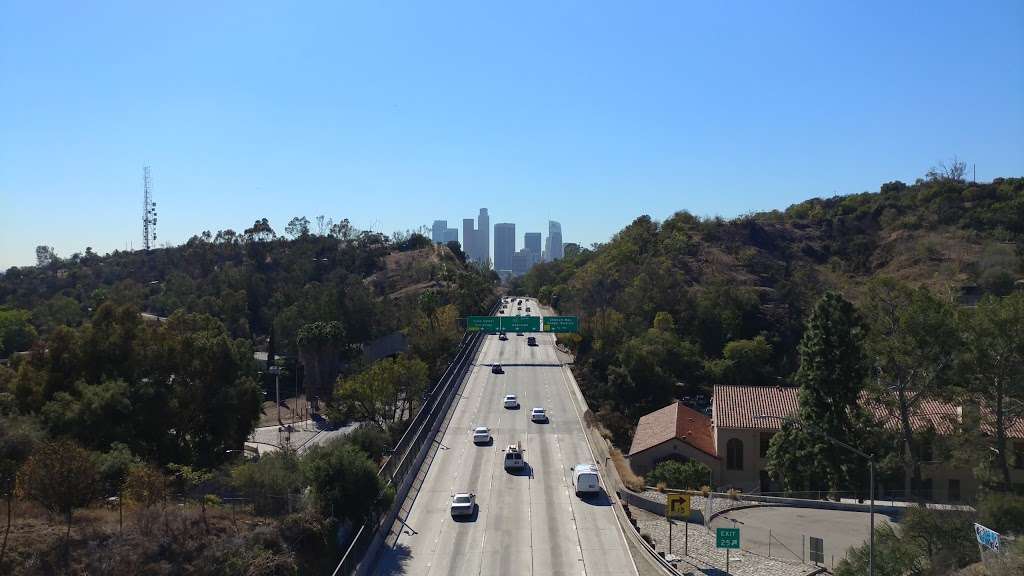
point(45, 256)
point(385, 393)
point(893, 557)
point(145, 485)
point(343, 482)
point(270, 482)
point(61, 476)
point(912, 345)
point(18, 437)
point(993, 366)
point(190, 479)
point(16, 331)
point(689, 475)
point(297, 227)
point(831, 376)
point(322, 346)
point(744, 362)
point(954, 172)
point(260, 231)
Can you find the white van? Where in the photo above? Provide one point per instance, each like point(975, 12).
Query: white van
point(514, 457)
point(585, 479)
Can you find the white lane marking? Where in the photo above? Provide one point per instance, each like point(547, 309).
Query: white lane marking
point(586, 439)
point(572, 513)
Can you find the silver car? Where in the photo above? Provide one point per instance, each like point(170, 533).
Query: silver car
point(463, 504)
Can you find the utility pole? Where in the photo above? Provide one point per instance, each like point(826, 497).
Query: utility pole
point(276, 371)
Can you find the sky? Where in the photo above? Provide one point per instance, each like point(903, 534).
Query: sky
point(393, 114)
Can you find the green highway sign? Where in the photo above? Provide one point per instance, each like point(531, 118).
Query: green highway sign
point(727, 538)
point(520, 323)
point(484, 323)
point(561, 324)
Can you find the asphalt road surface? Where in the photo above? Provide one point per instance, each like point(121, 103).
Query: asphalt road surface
point(530, 522)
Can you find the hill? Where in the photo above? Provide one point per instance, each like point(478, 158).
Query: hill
point(736, 292)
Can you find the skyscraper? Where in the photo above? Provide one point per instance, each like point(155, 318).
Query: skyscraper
point(437, 231)
point(504, 245)
point(482, 241)
point(531, 241)
point(469, 239)
point(554, 242)
point(451, 235)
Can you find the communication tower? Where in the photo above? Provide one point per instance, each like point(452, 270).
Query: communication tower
point(148, 211)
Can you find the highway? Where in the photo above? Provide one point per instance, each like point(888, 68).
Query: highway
point(529, 522)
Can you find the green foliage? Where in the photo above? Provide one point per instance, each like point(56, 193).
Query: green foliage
point(1002, 512)
point(929, 542)
point(893, 557)
point(270, 481)
point(18, 437)
point(16, 331)
point(113, 467)
point(743, 362)
point(371, 440)
point(387, 392)
point(831, 376)
point(343, 482)
point(689, 475)
point(992, 361)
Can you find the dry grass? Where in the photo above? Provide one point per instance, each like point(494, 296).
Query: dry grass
point(629, 479)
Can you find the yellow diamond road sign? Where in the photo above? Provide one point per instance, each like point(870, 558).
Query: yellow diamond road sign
point(678, 506)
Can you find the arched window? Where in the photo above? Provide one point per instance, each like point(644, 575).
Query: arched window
point(734, 454)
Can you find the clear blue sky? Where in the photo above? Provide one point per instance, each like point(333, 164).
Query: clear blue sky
point(393, 114)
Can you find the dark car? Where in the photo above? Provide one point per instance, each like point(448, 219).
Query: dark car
point(497, 369)
point(531, 341)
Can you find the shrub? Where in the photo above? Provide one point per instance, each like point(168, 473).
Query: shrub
point(145, 485)
point(1002, 512)
point(688, 475)
point(269, 481)
point(629, 479)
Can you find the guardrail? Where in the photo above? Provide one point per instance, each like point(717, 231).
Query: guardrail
point(408, 454)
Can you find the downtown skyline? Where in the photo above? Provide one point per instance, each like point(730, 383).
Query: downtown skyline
point(499, 246)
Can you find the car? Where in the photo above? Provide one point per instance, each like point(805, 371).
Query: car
point(514, 457)
point(502, 337)
point(519, 333)
point(497, 369)
point(538, 415)
point(463, 504)
point(527, 308)
point(481, 435)
point(511, 401)
point(531, 341)
point(585, 479)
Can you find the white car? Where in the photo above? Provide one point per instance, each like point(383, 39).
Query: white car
point(538, 415)
point(463, 504)
point(481, 435)
point(511, 401)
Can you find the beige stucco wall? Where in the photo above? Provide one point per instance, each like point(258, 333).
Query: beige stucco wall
point(748, 479)
point(644, 462)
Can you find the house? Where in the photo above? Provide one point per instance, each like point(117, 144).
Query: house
point(675, 432)
point(734, 441)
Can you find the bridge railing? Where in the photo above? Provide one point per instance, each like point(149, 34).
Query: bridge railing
point(408, 452)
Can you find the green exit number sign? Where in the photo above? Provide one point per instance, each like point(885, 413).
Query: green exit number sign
point(561, 324)
point(727, 538)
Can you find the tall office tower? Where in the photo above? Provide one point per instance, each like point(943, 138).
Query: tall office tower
point(504, 245)
point(554, 243)
point(531, 241)
point(469, 239)
point(520, 260)
point(451, 235)
point(483, 237)
point(437, 231)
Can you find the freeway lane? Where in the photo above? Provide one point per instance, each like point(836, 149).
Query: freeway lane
point(529, 522)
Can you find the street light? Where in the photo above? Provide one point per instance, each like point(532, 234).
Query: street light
point(871, 478)
point(276, 371)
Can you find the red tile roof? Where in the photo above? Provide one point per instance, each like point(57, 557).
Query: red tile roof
point(737, 406)
point(673, 421)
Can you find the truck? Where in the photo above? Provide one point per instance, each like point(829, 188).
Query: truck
point(514, 457)
point(585, 479)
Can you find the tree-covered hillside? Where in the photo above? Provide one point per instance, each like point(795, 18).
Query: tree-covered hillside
point(704, 301)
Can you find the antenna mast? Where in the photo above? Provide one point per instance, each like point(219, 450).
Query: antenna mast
point(148, 211)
